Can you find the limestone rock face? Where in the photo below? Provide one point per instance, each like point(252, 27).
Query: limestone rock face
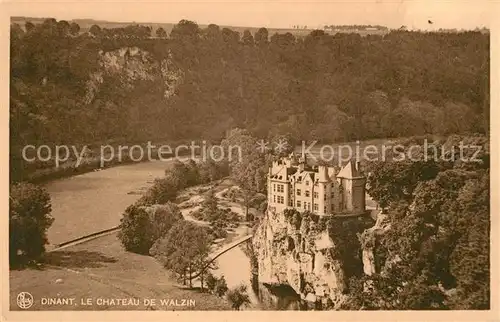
point(299, 257)
point(131, 64)
point(368, 237)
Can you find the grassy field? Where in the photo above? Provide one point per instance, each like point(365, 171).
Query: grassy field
point(102, 269)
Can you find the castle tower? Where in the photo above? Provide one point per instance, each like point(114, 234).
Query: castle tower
point(353, 188)
point(323, 191)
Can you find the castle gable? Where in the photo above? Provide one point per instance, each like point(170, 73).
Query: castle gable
point(349, 171)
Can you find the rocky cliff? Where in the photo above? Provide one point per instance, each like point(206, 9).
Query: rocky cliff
point(131, 64)
point(368, 241)
point(304, 252)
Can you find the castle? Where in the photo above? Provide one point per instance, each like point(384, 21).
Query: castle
point(323, 190)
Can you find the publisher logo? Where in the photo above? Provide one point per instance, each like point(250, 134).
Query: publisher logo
point(24, 300)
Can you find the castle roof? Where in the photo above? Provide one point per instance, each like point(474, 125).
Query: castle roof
point(285, 172)
point(349, 171)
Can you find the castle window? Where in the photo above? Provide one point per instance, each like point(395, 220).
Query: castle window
point(281, 199)
point(316, 195)
point(281, 188)
point(305, 205)
point(274, 198)
point(298, 203)
point(298, 192)
point(274, 187)
point(307, 193)
point(290, 203)
point(324, 209)
point(315, 207)
point(307, 183)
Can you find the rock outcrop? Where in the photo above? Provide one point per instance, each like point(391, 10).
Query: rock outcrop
point(131, 64)
point(368, 238)
point(301, 257)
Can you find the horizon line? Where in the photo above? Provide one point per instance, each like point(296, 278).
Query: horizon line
point(252, 27)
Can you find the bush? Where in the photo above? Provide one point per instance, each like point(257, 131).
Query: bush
point(142, 226)
point(29, 219)
point(217, 286)
point(238, 296)
point(210, 281)
point(218, 232)
point(220, 287)
point(163, 190)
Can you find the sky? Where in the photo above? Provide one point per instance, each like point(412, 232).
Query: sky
point(415, 14)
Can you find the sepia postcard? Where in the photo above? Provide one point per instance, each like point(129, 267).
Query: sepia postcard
point(235, 160)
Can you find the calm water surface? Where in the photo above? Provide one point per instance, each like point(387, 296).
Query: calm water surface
point(95, 201)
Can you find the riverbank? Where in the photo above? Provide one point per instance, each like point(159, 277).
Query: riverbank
point(46, 172)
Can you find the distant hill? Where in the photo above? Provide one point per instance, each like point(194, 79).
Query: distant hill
point(85, 25)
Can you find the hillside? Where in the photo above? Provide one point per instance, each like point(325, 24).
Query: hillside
point(120, 85)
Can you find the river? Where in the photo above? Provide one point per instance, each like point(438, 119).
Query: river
point(95, 201)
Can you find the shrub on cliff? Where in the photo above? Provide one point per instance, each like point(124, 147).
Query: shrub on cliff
point(141, 226)
point(29, 219)
point(238, 296)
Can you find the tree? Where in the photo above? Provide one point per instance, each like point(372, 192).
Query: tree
point(63, 27)
point(396, 180)
point(261, 37)
point(142, 226)
point(29, 26)
point(249, 171)
point(186, 32)
point(161, 33)
point(74, 29)
point(95, 30)
point(247, 38)
point(209, 205)
point(210, 170)
point(29, 219)
point(134, 232)
point(184, 250)
point(192, 173)
point(238, 296)
point(163, 190)
point(211, 281)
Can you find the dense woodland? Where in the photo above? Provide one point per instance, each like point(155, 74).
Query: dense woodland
point(338, 87)
point(433, 252)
